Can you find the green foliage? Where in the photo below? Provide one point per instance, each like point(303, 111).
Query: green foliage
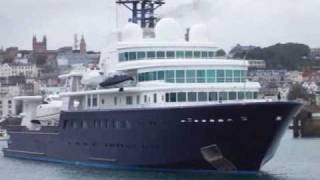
point(290, 56)
point(221, 52)
point(298, 92)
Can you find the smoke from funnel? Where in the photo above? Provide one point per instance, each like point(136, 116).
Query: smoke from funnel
point(191, 12)
point(196, 4)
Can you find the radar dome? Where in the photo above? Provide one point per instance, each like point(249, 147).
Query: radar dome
point(131, 32)
point(199, 33)
point(168, 29)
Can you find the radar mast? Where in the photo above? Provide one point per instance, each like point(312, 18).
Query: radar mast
point(142, 11)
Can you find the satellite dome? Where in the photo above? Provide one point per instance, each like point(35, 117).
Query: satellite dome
point(131, 32)
point(168, 29)
point(199, 33)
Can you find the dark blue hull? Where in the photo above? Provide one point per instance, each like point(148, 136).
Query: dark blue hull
point(213, 137)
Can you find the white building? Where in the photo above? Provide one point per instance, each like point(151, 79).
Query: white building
point(6, 99)
point(295, 76)
point(257, 64)
point(27, 70)
point(311, 87)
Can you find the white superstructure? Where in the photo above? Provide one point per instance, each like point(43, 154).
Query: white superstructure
point(167, 70)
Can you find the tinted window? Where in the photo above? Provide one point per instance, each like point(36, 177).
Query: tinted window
point(155, 98)
point(240, 95)
point(132, 55)
point(170, 76)
point(89, 101)
point(211, 54)
point(223, 96)
point(192, 96)
point(170, 54)
point(161, 75)
point(249, 95)
point(201, 76)
point(180, 54)
point(180, 76)
point(122, 57)
point(129, 100)
point(237, 75)
point(204, 54)
point(197, 54)
point(213, 96)
point(202, 96)
point(167, 97)
point(211, 76)
point(126, 56)
point(188, 54)
point(173, 97)
point(182, 97)
point(94, 100)
point(229, 77)
point(138, 99)
point(232, 95)
point(151, 55)
point(220, 75)
point(141, 55)
point(160, 54)
point(191, 76)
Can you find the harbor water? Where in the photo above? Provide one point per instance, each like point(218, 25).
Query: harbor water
point(296, 159)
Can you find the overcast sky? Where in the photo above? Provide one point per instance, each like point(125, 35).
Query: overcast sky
point(257, 22)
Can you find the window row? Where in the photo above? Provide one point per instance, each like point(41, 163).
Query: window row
point(171, 54)
point(209, 96)
point(85, 124)
point(195, 76)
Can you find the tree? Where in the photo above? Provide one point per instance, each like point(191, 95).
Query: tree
point(221, 52)
point(291, 56)
point(298, 92)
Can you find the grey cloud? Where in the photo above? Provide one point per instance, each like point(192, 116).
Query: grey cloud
point(260, 22)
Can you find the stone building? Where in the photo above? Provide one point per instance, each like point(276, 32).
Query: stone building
point(39, 46)
point(83, 46)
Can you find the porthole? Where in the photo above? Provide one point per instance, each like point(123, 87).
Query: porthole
point(204, 121)
point(229, 120)
point(183, 121)
point(220, 120)
point(196, 121)
point(278, 118)
point(244, 118)
point(212, 120)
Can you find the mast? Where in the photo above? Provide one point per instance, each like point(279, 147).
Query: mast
point(142, 11)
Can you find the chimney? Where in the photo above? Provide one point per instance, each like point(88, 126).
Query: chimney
point(187, 35)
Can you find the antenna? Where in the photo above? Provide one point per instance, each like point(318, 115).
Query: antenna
point(142, 11)
point(76, 41)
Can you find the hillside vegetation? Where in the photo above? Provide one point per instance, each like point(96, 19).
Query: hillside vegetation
point(291, 56)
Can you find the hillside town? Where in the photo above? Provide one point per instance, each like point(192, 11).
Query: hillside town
point(36, 71)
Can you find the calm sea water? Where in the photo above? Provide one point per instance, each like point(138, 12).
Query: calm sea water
point(297, 159)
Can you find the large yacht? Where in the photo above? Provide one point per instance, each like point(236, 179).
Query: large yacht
point(162, 99)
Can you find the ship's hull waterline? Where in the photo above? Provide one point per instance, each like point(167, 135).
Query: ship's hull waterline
point(239, 137)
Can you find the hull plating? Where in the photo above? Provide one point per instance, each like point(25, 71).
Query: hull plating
point(241, 137)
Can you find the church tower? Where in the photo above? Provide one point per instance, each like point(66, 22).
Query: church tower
point(39, 47)
point(83, 46)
